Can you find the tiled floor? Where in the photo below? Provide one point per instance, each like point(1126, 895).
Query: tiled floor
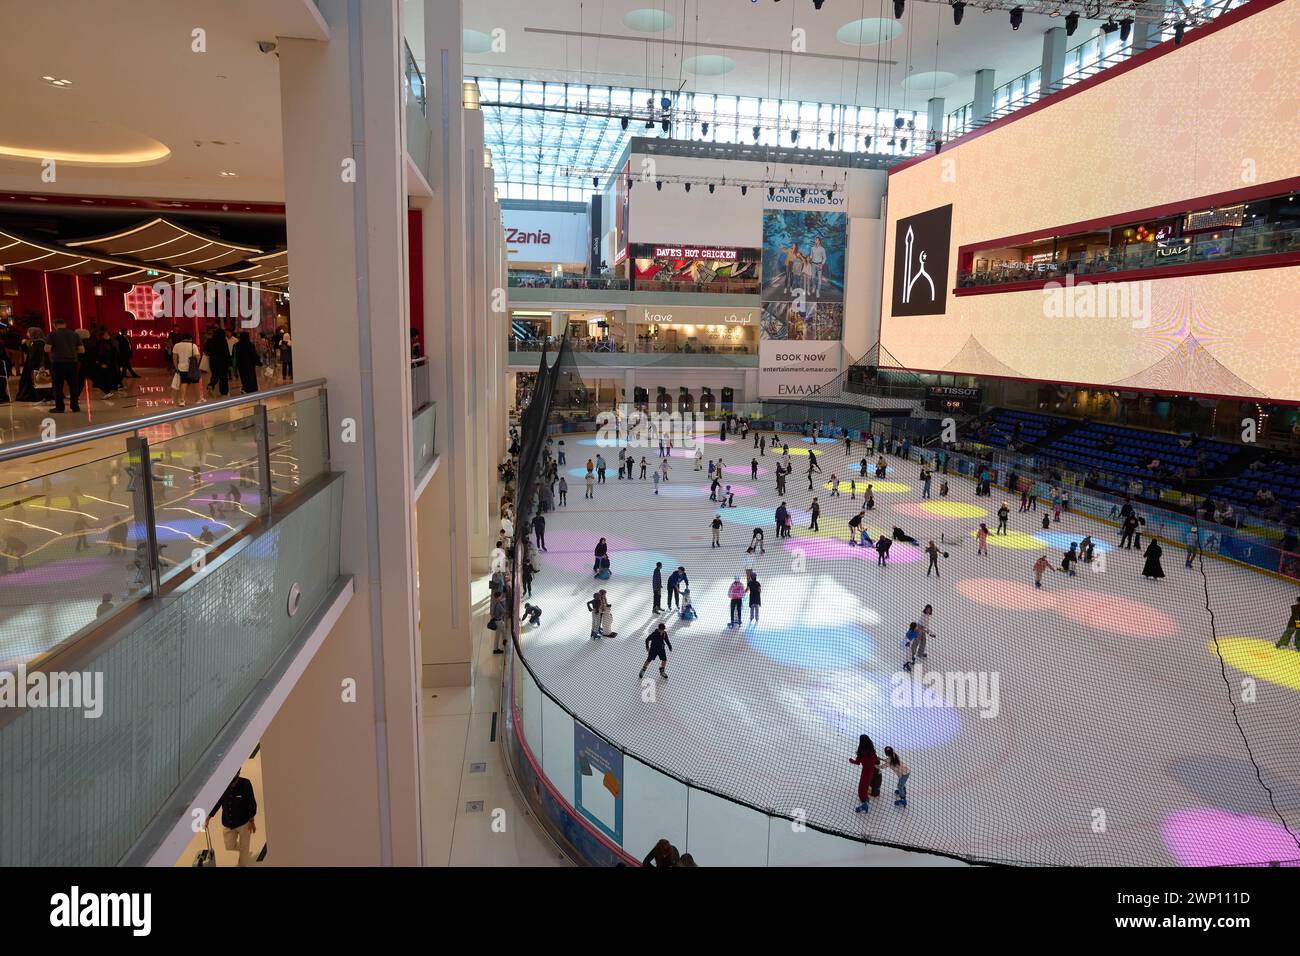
point(457, 739)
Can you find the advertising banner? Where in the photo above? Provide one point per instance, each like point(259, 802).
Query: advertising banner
point(734, 268)
point(598, 781)
point(798, 369)
point(535, 235)
point(694, 315)
point(803, 255)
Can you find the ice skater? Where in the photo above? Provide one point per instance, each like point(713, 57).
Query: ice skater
point(1070, 558)
point(1003, 513)
point(913, 644)
point(901, 774)
point(982, 540)
point(925, 483)
point(1041, 566)
point(867, 759)
point(657, 646)
point(933, 551)
point(814, 510)
point(736, 592)
point(676, 581)
point(716, 525)
point(1291, 632)
point(855, 526)
point(657, 585)
point(755, 596)
point(564, 492)
point(883, 544)
point(1152, 569)
point(699, 457)
point(756, 541)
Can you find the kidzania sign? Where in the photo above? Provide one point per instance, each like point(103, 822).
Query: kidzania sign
point(546, 236)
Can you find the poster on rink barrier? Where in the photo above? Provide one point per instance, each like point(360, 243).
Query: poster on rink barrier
point(598, 781)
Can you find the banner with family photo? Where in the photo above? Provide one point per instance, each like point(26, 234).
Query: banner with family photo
point(803, 256)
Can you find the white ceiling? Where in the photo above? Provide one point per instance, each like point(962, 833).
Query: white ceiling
point(621, 56)
point(137, 84)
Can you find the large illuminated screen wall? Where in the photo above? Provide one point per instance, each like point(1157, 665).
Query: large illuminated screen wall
point(1183, 128)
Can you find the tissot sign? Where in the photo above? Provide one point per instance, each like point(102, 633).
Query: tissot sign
point(545, 236)
point(920, 282)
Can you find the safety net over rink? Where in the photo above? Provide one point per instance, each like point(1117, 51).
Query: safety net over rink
point(1133, 704)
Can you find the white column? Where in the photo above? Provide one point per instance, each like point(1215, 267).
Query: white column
point(445, 635)
point(982, 108)
point(344, 776)
point(1053, 66)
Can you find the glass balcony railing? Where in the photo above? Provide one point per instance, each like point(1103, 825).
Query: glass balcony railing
point(1208, 247)
point(170, 577)
point(154, 501)
point(413, 79)
point(424, 418)
point(526, 281)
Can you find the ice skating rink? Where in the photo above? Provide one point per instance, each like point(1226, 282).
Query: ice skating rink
point(1109, 731)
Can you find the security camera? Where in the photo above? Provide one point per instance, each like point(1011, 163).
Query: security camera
point(266, 46)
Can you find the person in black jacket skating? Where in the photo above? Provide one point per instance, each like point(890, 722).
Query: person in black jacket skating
point(657, 645)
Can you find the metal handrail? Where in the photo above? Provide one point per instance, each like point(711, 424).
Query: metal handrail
point(22, 449)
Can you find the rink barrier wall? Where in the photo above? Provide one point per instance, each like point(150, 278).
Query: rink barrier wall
point(578, 836)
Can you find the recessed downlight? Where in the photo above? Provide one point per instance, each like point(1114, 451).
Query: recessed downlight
point(648, 21)
point(57, 82)
point(228, 175)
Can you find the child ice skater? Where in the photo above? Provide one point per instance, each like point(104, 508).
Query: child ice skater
point(901, 772)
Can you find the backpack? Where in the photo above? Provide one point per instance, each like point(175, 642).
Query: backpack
point(192, 371)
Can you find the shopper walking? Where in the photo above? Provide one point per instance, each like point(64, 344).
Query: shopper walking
point(657, 646)
point(238, 806)
point(867, 759)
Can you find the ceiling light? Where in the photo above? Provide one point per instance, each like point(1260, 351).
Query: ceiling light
point(1110, 26)
point(664, 126)
point(595, 182)
point(710, 189)
point(623, 122)
point(665, 102)
point(688, 187)
point(898, 9)
point(958, 8)
point(1178, 33)
point(1125, 26)
point(794, 136)
point(817, 4)
point(830, 192)
point(830, 137)
point(866, 141)
point(1017, 15)
point(756, 134)
point(659, 184)
point(803, 194)
point(649, 124)
point(1071, 23)
point(743, 190)
point(771, 191)
point(228, 175)
point(704, 129)
point(903, 145)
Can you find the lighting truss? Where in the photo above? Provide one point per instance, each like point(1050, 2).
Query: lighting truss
point(1143, 11)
